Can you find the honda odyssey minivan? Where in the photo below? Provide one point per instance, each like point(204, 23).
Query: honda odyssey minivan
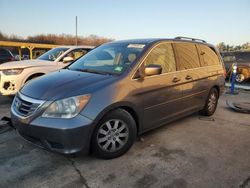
point(119, 90)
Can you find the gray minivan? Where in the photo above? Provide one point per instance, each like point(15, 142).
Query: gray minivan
point(119, 90)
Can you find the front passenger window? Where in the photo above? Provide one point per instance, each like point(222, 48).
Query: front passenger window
point(163, 55)
point(75, 54)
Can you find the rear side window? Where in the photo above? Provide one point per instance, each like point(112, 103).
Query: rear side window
point(209, 56)
point(163, 55)
point(187, 56)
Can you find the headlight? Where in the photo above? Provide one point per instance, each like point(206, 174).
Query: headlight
point(66, 108)
point(12, 71)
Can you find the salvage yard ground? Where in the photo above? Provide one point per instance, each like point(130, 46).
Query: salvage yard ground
point(191, 152)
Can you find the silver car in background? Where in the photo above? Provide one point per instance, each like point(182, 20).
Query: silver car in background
point(13, 75)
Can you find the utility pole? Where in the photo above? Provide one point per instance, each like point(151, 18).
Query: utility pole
point(76, 32)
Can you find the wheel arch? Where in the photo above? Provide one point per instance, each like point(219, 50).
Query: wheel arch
point(33, 76)
point(127, 106)
point(217, 88)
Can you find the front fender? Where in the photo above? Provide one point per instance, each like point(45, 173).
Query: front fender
point(116, 105)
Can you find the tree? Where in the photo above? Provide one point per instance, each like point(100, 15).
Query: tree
point(246, 46)
point(222, 47)
point(62, 39)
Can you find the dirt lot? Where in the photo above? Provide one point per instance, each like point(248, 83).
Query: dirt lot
point(191, 152)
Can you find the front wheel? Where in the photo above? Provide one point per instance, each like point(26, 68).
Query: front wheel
point(211, 103)
point(114, 135)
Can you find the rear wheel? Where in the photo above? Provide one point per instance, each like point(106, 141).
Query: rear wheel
point(114, 135)
point(211, 103)
point(240, 78)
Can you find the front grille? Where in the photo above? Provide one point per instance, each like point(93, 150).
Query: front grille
point(25, 106)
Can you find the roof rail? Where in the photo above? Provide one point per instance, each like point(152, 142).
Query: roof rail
point(192, 39)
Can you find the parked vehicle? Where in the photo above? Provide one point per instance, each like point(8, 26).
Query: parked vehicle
point(15, 74)
point(5, 55)
point(25, 57)
point(119, 90)
point(242, 60)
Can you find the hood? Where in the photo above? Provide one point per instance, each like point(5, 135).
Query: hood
point(25, 64)
point(62, 84)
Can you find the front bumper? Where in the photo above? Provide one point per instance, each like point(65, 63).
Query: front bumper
point(9, 85)
point(65, 136)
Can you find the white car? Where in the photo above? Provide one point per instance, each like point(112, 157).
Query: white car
point(13, 75)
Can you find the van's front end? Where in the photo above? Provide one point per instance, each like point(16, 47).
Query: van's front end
point(60, 111)
point(57, 125)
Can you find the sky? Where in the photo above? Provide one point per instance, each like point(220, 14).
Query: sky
point(215, 21)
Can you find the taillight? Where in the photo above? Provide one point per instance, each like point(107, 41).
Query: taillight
point(225, 73)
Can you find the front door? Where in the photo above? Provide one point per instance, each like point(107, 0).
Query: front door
point(161, 93)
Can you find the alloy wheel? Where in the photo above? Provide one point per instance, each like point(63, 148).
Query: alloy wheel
point(239, 78)
point(112, 135)
point(212, 102)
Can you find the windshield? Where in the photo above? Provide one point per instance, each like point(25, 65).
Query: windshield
point(53, 54)
point(109, 58)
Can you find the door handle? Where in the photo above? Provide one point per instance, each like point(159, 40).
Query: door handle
point(188, 77)
point(175, 79)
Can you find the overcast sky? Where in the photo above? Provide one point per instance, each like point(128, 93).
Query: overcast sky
point(214, 21)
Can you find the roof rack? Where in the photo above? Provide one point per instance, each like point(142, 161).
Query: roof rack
point(192, 39)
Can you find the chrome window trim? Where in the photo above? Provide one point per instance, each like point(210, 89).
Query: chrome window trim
point(29, 99)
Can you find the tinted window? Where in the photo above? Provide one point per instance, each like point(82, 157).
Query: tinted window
point(163, 55)
point(209, 56)
point(187, 56)
point(4, 52)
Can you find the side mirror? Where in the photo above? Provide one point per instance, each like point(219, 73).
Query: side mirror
point(152, 69)
point(67, 59)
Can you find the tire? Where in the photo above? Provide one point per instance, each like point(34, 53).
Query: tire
point(240, 78)
point(211, 103)
point(114, 135)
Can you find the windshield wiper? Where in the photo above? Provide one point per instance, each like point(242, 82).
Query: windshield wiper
point(93, 71)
